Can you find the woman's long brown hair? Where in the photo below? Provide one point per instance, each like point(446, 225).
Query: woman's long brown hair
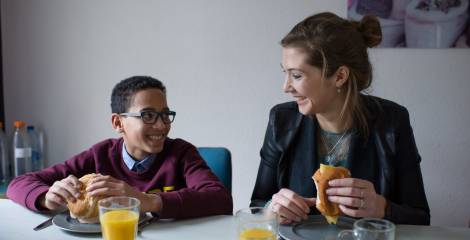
point(330, 42)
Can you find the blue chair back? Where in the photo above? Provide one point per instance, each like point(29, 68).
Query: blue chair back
point(219, 160)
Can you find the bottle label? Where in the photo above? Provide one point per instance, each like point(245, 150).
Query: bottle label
point(22, 152)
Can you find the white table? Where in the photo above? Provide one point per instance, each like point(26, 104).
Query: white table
point(16, 222)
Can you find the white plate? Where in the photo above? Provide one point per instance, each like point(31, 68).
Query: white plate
point(65, 222)
point(315, 227)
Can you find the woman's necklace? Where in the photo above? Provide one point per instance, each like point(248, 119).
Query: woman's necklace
point(332, 154)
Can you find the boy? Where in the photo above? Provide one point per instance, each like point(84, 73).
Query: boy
point(168, 176)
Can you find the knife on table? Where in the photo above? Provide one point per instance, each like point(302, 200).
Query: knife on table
point(44, 224)
point(48, 222)
point(145, 223)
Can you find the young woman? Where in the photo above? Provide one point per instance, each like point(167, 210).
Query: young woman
point(327, 68)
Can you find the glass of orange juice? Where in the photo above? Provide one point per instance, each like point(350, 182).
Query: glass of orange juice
point(257, 223)
point(119, 217)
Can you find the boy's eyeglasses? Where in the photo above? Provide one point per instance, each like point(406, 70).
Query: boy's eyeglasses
point(151, 117)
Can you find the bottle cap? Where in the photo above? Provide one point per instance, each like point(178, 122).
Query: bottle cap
point(19, 124)
point(30, 128)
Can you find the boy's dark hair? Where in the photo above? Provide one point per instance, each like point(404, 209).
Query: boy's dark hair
point(124, 91)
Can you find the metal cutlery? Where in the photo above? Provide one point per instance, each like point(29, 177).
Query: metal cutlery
point(44, 224)
point(48, 222)
point(145, 223)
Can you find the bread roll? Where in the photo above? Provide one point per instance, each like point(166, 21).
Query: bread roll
point(321, 177)
point(85, 208)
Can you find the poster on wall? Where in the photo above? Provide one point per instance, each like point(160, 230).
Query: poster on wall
point(418, 23)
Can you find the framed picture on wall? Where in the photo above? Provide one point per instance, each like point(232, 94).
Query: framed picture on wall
point(418, 23)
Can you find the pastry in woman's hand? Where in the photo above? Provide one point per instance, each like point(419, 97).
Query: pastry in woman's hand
point(321, 178)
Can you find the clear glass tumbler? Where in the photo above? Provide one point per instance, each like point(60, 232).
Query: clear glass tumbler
point(257, 223)
point(119, 217)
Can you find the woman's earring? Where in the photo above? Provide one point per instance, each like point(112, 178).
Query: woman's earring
point(338, 90)
point(119, 130)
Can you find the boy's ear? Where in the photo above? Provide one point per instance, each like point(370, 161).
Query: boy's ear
point(117, 123)
point(342, 76)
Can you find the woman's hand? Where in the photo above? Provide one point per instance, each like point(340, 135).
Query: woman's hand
point(61, 191)
point(109, 186)
point(356, 197)
point(290, 206)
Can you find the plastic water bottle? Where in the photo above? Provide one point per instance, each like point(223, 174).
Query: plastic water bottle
point(36, 149)
point(21, 149)
point(5, 162)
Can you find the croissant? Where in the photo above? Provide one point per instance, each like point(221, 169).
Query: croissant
point(321, 177)
point(85, 208)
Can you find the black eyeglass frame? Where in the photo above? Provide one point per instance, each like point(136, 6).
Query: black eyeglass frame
point(171, 116)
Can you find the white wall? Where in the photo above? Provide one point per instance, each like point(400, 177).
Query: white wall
point(220, 62)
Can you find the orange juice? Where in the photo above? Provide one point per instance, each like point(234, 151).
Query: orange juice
point(119, 225)
point(257, 234)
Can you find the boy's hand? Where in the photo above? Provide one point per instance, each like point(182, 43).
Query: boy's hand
point(109, 186)
point(61, 191)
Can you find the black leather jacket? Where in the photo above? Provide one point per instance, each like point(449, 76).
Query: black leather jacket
point(388, 158)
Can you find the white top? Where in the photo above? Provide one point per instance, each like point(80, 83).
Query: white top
point(16, 222)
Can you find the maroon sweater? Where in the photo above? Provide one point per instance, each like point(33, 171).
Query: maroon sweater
point(185, 183)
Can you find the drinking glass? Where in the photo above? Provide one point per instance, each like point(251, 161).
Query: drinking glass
point(119, 217)
point(370, 229)
point(257, 223)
